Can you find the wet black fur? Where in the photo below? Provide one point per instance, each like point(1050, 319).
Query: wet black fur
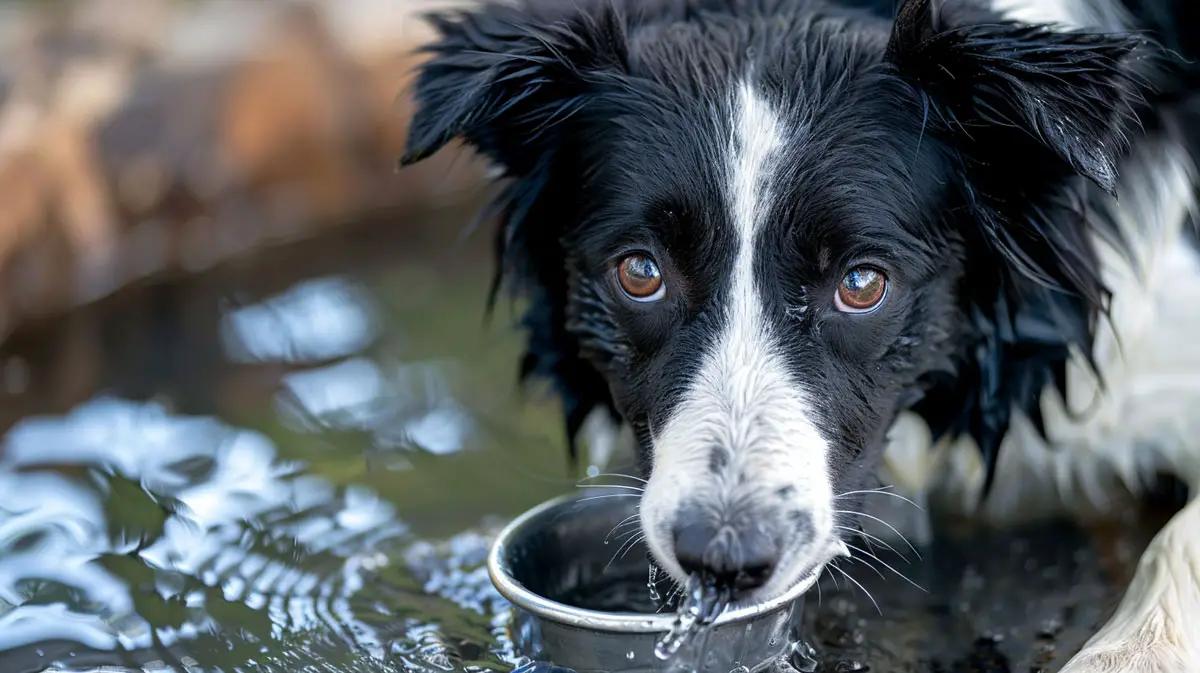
point(953, 148)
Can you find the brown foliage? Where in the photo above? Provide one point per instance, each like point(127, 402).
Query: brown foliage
point(195, 133)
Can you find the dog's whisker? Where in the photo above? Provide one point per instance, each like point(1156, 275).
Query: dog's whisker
point(628, 520)
point(878, 491)
point(869, 565)
point(883, 543)
point(886, 487)
point(626, 534)
point(885, 565)
point(617, 553)
point(673, 594)
point(818, 583)
point(624, 522)
point(639, 489)
point(864, 589)
point(615, 474)
point(893, 528)
point(624, 549)
point(869, 538)
point(633, 544)
point(866, 540)
point(610, 495)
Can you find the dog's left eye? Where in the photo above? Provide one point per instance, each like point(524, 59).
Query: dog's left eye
point(640, 279)
point(862, 289)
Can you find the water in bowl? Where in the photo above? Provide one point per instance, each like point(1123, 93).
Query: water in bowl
point(624, 590)
point(696, 605)
point(295, 465)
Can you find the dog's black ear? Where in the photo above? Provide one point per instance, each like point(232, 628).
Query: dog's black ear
point(1024, 110)
point(505, 77)
point(1070, 91)
point(519, 81)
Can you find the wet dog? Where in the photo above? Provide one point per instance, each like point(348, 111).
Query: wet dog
point(795, 245)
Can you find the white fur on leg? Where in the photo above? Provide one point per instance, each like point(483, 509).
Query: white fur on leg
point(1156, 628)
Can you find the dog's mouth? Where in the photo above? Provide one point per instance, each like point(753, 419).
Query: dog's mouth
point(703, 598)
point(734, 595)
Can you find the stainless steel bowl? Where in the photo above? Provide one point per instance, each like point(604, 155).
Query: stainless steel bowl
point(548, 554)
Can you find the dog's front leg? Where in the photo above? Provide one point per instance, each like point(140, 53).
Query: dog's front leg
point(1156, 628)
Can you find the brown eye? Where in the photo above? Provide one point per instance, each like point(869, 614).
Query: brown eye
point(862, 289)
point(640, 278)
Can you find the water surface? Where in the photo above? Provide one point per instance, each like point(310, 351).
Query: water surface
point(296, 463)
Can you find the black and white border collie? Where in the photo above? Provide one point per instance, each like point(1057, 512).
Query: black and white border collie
point(797, 246)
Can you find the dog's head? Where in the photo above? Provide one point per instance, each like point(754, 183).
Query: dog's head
point(758, 230)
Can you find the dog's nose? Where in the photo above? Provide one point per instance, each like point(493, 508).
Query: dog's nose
point(736, 557)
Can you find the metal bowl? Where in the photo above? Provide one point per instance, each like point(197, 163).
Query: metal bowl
point(549, 557)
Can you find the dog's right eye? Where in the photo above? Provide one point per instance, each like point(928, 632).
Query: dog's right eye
point(862, 290)
point(640, 279)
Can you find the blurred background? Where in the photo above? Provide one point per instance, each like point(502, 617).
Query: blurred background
point(252, 417)
point(251, 414)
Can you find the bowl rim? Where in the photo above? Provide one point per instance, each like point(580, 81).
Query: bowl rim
point(614, 622)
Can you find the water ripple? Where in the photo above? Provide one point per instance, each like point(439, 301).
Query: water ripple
point(319, 319)
point(403, 406)
point(120, 510)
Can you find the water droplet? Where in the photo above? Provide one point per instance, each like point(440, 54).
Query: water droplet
point(652, 584)
point(630, 655)
point(680, 631)
point(702, 603)
point(804, 658)
point(744, 652)
point(40, 653)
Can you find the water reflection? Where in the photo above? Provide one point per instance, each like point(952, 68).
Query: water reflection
point(314, 321)
point(324, 504)
point(123, 527)
point(404, 405)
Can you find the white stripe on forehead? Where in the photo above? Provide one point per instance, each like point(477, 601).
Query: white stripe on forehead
point(754, 146)
point(744, 431)
point(756, 141)
point(743, 367)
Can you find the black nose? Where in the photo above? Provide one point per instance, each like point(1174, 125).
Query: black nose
point(741, 558)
